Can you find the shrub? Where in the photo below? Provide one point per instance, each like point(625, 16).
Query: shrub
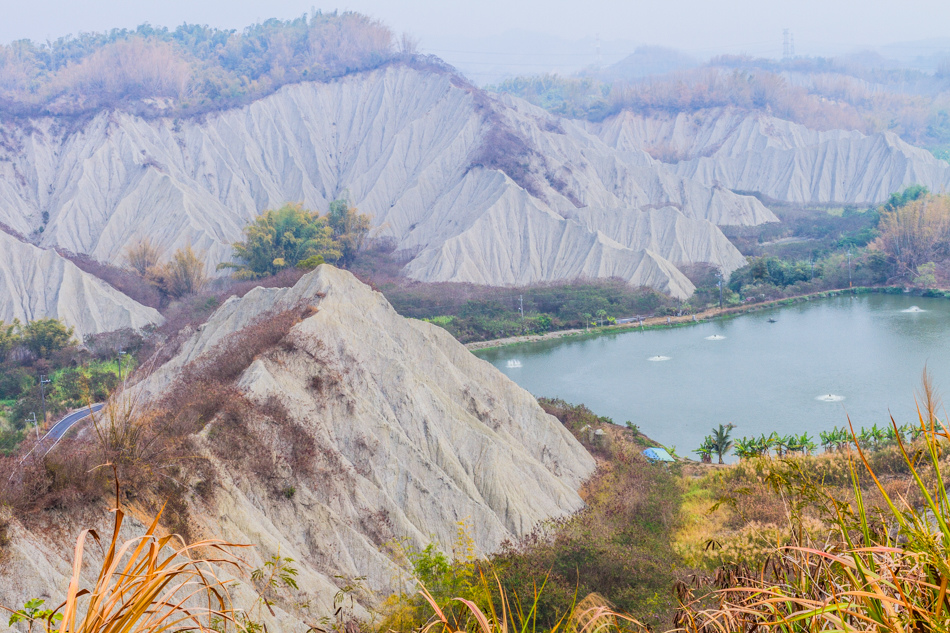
point(184, 274)
point(44, 337)
point(143, 256)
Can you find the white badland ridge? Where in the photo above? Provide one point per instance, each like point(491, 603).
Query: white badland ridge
point(37, 283)
point(413, 435)
point(418, 150)
point(785, 161)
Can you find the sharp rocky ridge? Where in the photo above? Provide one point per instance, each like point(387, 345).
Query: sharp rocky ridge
point(781, 160)
point(410, 435)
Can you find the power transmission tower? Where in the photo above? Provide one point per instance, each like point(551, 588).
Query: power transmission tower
point(788, 44)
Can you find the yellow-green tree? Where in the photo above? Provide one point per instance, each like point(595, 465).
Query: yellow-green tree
point(350, 228)
point(279, 239)
point(184, 274)
point(293, 236)
point(9, 337)
point(916, 232)
point(44, 337)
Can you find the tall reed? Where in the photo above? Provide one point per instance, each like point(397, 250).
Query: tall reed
point(882, 569)
point(146, 584)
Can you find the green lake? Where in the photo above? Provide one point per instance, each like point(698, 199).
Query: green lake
point(818, 363)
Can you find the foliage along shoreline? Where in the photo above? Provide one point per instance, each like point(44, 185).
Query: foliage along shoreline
point(660, 323)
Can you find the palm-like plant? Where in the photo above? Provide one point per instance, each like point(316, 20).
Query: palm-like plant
point(746, 447)
point(765, 443)
point(807, 444)
point(784, 444)
point(722, 440)
point(706, 449)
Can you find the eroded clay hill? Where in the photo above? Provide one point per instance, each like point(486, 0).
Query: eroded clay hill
point(785, 161)
point(358, 428)
point(475, 188)
point(37, 283)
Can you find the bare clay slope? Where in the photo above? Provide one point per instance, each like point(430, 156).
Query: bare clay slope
point(782, 160)
point(382, 427)
point(37, 283)
point(434, 161)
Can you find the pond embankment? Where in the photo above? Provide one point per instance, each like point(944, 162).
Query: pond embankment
point(705, 315)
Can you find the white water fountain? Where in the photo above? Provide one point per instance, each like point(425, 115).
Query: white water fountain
point(715, 337)
point(830, 397)
point(659, 358)
point(914, 310)
point(514, 364)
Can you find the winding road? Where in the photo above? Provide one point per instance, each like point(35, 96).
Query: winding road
point(59, 429)
point(56, 433)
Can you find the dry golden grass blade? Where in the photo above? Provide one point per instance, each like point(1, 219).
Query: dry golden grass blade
point(149, 584)
point(481, 619)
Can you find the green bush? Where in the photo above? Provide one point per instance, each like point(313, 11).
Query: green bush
point(45, 337)
point(13, 382)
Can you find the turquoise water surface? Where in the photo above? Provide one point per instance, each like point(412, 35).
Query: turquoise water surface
point(867, 351)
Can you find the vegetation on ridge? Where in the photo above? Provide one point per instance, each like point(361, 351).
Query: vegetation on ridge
point(294, 237)
point(188, 70)
point(834, 95)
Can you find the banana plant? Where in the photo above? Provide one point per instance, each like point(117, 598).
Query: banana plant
point(746, 447)
point(799, 444)
point(829, 439)
point(706, 449)
point(766, 443)
point(807, 444)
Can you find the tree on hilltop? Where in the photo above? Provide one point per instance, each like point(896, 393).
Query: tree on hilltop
point(296, 237)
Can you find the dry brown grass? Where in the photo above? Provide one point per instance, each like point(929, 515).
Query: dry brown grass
point(147, 584)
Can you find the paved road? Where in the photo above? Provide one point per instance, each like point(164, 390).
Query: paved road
point(55, 434)
point(59, 429)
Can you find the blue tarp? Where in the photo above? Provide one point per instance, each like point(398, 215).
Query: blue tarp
point(658, 455)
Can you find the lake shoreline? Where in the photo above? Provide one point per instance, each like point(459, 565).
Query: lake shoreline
point(653, 323)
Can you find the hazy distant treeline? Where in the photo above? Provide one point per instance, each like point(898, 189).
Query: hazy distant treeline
point(189, 69)
point(819, 94)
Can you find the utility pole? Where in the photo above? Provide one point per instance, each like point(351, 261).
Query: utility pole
point(43, 382)
point(121, 354)
point(719, 274)
point(849, 268)
point(35, 425)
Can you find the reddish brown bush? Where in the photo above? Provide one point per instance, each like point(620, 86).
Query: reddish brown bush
point(125, 281)
point(60, 480)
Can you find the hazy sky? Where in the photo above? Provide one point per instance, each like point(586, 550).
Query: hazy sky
point(699, 26)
